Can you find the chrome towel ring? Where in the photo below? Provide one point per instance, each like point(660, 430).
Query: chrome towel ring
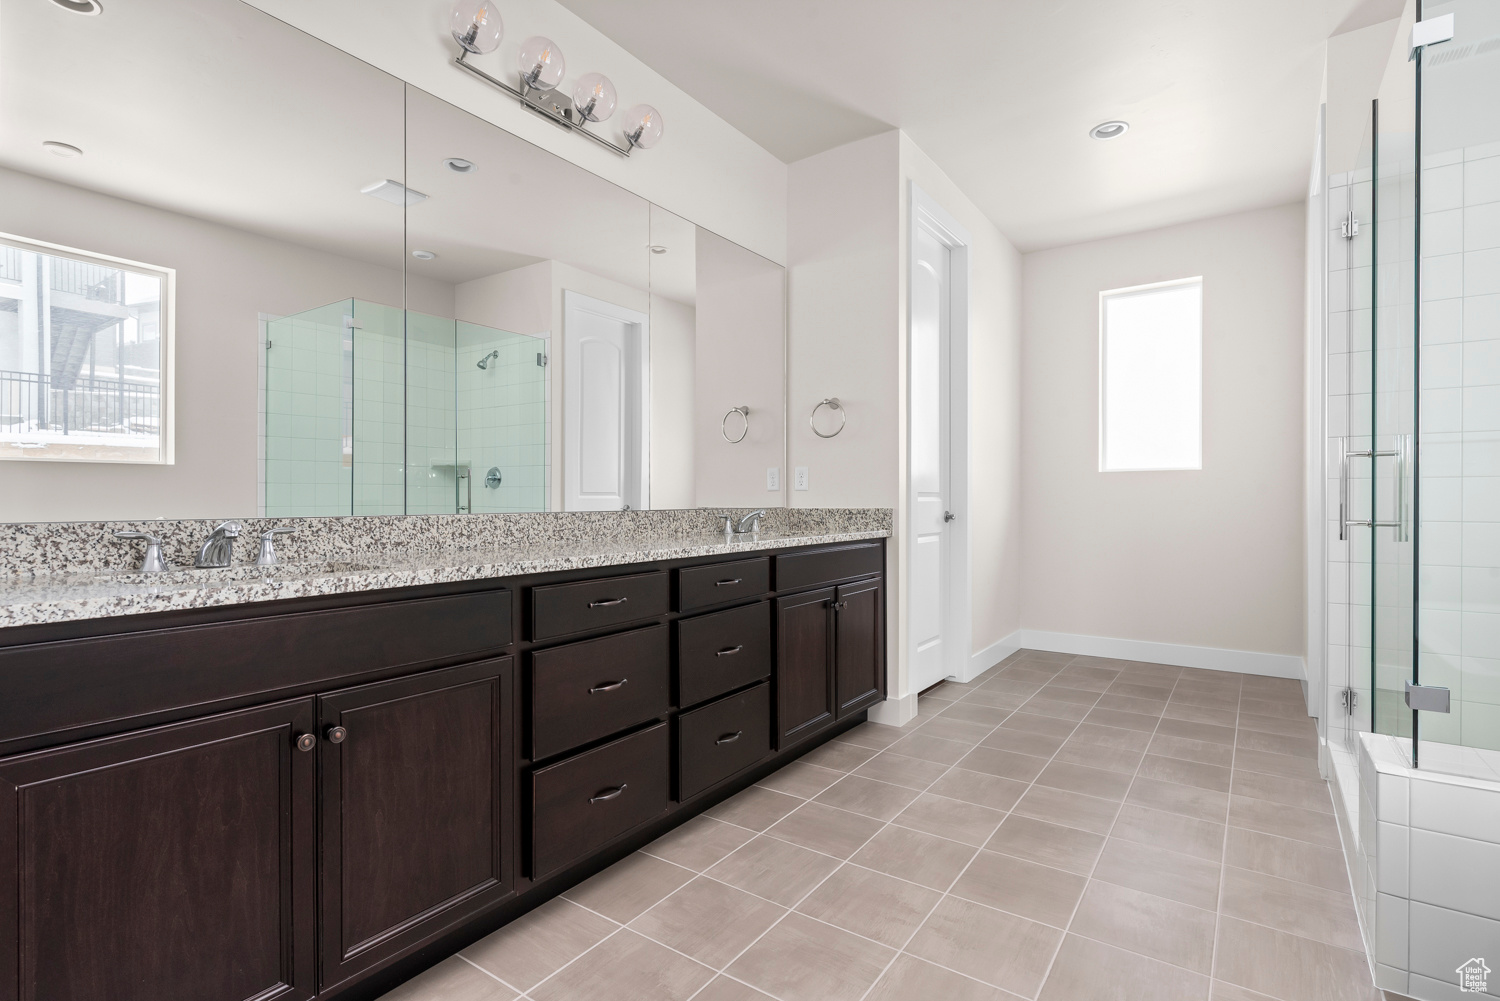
point(744, 413)
point(832, 403)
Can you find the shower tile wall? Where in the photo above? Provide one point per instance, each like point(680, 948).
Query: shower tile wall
point(379, 410)
point(502, 417)
point(307, 466)
point(431, 398)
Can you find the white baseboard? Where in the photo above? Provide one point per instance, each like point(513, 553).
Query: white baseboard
point(1272, 665)
point(990, 656)
point(895, 712)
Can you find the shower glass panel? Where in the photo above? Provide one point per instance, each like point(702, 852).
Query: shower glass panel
point(502, 418)
point(379, 407)
point(308, 466)
point(434, 479)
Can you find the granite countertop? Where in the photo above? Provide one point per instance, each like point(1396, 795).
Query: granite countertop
point(33, 598)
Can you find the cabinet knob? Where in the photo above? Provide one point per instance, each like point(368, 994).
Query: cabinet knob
point(336, 734)
point(306, 741)
point(839, 606)
point(606, 794)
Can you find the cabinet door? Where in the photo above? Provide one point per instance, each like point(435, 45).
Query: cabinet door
point(859, 646)
point(415, 798)
point(804, 665)
point(175, 862)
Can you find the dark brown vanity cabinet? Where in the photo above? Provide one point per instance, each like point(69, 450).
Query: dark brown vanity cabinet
point(175, 862)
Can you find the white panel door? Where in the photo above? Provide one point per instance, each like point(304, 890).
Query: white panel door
point(605, 447)
point(930, 467)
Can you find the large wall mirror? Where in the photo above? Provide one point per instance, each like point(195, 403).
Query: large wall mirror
point(263, 277)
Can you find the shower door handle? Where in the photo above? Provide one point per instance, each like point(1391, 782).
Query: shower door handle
point(1399, 454)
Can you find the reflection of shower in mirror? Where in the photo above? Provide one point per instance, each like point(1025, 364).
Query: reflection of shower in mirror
point(485, 361)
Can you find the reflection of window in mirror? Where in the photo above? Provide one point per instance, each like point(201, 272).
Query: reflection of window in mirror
point(84, 344)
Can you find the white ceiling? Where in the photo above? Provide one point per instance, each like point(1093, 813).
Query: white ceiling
point(1221, 96)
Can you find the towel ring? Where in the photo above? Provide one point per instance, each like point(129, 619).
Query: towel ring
point(724, 424)
point(832, 403)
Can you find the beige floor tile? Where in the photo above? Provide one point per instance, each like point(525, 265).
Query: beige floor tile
point(1208, 698)
point(1277, 764)
point(1206, 732)
point(699, 843)
point(728, 989)
point(1183, 772)
point(979, 713)
point(948, 728)
point(1094, 756)
point(1287, 967)
point(1169, 874)
point(539, 943)
point(1190, 801)
point(867, 797)
point(1304, 727)
point(993, 791)
point(452, 980)
point(1200, 714)
point(1039, 745)
point(1233, 992)
point(805, 960)
point(708, 920)
point(1049, 844)
point(1139, 687)
point(755, 808)
point(994, 699)
point(1172, 831)
point(626, 967)
point(628, 887)
point(1051, 707)
point(1010, 686)
point(919, 745)
point(1284, 708)
point(1033, 891)
point(871, 904)
point(1070, 809)
point(776, 870)
point(1055, 691)
point(1050, 725)
point(922, 858)
point(827, 829)
point(911, 979)
point(953, 819)
point(801, 779)
point(1132, 704)
point(1284, 821)
point(1082, 779)
point(1004, 950)
point(898, 769)
point(1092, 971)
point(1192, 750)
point(1275, 743)
point(1144, 923)
point(1295, 860)
point(838, 755)
point(1006, 764)
point(1122, 720)
point(1325, 916)
point(1111, 738)
point(1303, 793)
point(872, 735)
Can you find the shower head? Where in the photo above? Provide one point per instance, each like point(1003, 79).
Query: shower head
point(485, 361)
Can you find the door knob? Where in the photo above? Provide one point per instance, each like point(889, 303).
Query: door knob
point(949, 516)
point(306, 741)
point(336, 734)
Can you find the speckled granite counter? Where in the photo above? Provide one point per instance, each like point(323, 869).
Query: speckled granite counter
point(77, 570)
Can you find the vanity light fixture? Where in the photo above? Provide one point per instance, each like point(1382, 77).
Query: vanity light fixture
point(477, 30)
point(1109, 130)
point(88, 7)
point(459, 165)
point(61, 149)
point(424, 255)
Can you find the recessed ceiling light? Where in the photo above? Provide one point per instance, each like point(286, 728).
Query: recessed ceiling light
point(459, 165)
point(61, 149)
point(394, 192)
point(423, 255)
point(657, 248)
point(80, 6)
point(1109, 130)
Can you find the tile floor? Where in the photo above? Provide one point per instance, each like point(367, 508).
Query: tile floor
point(1062, 829)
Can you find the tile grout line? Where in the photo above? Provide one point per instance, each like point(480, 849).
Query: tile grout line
point(1213, 958)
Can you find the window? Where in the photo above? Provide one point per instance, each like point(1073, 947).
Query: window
point(84, 348)
point(1151, 377)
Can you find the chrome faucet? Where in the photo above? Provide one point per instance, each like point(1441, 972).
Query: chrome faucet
point(267, 557)
point(153, 562)
point(218, 549)
point(746, 525)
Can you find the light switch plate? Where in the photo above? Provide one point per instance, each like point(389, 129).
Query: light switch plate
point(773, 478)
point(799, 478)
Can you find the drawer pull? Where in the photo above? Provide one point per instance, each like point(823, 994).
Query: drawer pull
point(607, 602)
point(730, 738)
point(727, 651)
point(608, 686)
point(604, 794)
point(721, 583)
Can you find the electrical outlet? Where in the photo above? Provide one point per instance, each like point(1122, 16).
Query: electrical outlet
point(773, 478)
point(799, 478)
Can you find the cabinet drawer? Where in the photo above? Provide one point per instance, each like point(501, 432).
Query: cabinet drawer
point(722, 651)
point(824, 566)
point(583, 691)
point(722, 738)
point(587, 800)
point(560, 609)
point(699, 587)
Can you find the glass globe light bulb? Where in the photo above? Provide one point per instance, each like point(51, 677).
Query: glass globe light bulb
point(477, 26)
point(643, 126)
point(594, 97)
point(542, 64)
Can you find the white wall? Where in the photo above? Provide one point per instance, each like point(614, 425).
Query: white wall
point(703, 169)
point(673, 363)
point(1206, 559)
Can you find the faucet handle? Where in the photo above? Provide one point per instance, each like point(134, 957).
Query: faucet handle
point(267, 557)
point(152, 562)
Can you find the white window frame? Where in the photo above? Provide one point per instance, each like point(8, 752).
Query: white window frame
point(1128, 290)
point(167, 333)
